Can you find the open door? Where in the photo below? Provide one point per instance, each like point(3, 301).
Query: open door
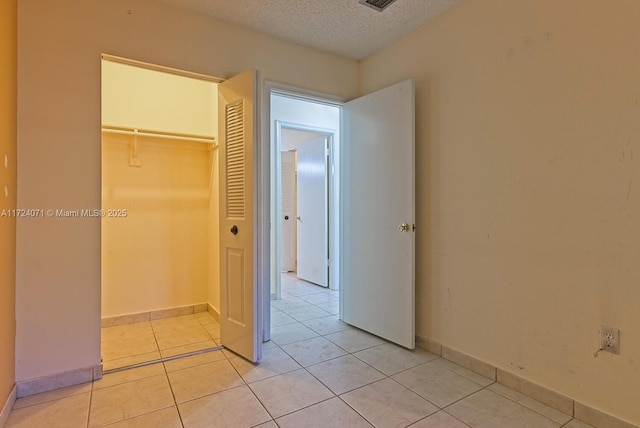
point(239, 306)
point(313, 225)
point(288, 221)
point(378, 214)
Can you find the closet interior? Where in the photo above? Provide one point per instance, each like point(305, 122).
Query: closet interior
point(159, 203)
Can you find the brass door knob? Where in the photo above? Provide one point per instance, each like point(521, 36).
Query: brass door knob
point(404, 227)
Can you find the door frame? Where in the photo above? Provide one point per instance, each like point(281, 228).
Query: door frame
point(264, 258)
point(333, 217)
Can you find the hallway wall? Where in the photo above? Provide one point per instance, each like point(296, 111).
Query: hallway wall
point(59, 48)
point(8, 138)
point(528, 134)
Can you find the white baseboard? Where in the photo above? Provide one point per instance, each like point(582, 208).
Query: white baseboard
point(8, 405)
point(59, 380)
point(566, 405)
point(214, 312)
point(154, 315)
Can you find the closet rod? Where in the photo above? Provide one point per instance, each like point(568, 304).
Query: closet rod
point(135, 132)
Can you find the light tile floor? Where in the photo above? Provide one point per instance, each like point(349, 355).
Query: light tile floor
point(141, 342)
point(316, 372)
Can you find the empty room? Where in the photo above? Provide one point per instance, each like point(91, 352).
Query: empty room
point(479, 195)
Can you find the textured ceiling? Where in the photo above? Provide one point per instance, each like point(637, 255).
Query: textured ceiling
point(344, 27)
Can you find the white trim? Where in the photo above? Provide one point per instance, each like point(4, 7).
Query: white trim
point(302, 93)
point(325, 132)
point(161, 68)
point(8, 405)
point(59, 380)
point(263, 220)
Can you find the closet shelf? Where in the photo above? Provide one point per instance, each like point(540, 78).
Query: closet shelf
point(154, 134)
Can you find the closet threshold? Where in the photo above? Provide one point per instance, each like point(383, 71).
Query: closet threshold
point(163, 360)
point(154, 134)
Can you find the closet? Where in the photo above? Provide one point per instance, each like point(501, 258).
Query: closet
point(159, 192)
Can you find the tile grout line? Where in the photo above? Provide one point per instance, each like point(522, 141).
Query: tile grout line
point(252, 392)
point(348, 353)
point(527, 407)
point(345, 392)
point(141, 414)
point(128, 356)
point(92, 390)
point(388, 377)
point(175, 402)
point(331, 359)
point(362, 386)
point(439, 409)
point(90, 403)
point(207, 331)
point(162, 360)
point(444, 411)
point(158, 348)
point(306, 407)
point(500, 395)
point(334, 395)
point(355, 410)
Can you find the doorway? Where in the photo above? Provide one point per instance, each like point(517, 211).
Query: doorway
point(160, 203)
point(374, 203)
point(305, 201)
point(305, 138)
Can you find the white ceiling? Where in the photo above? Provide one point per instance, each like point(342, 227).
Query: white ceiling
point(344, 27)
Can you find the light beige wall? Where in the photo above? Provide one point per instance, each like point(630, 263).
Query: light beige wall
point(157, 256)
point(528, 143)
point(58, 260)
point(135, 97)
point(8, 46)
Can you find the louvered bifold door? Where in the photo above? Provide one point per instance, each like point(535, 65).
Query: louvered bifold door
point(238, 292)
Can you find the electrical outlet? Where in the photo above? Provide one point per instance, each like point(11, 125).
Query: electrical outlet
point(609, 339)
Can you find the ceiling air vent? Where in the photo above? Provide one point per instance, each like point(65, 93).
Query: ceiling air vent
point(378, 5)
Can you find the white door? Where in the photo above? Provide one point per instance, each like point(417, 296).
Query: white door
point(288, 220)
point(239, 322)
point(313, 233)
point(377, 285)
